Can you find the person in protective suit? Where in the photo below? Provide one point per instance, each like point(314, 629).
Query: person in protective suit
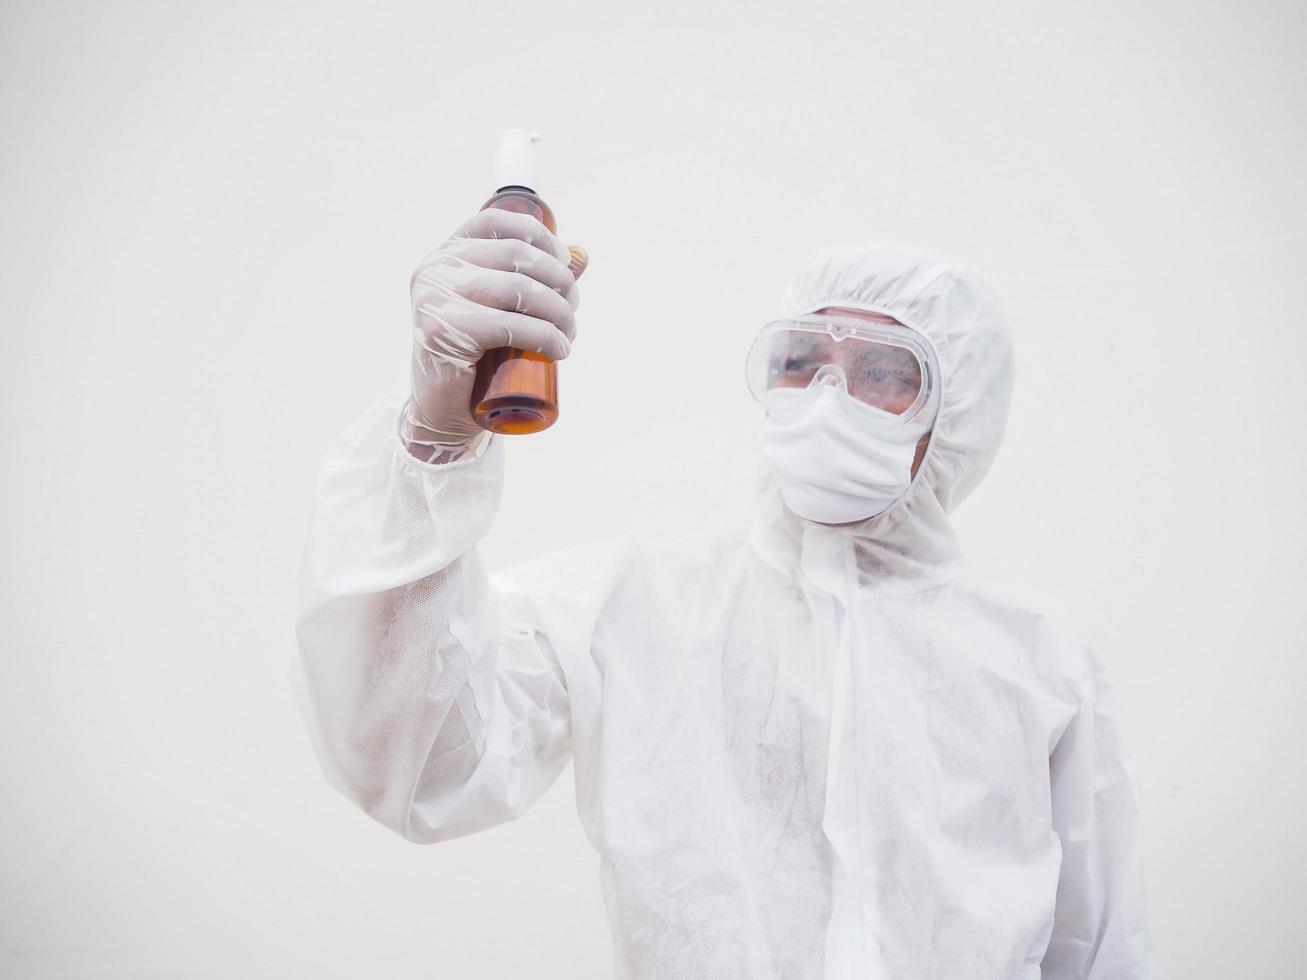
point(820, 747)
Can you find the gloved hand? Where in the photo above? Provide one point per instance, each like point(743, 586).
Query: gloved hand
point(501, 280)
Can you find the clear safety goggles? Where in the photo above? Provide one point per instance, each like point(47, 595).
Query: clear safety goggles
point(887, 366)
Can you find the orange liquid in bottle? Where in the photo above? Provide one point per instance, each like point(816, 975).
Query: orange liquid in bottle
point(516, 391)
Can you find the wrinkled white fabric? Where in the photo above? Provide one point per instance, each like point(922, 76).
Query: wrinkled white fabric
point(837, 460)
point(800, 751)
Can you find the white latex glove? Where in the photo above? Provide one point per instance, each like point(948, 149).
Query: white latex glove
point(501, 280)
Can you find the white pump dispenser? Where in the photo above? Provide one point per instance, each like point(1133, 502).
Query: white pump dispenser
point(513, 161)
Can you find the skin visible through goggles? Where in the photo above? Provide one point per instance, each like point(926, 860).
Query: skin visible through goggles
point(881, 375)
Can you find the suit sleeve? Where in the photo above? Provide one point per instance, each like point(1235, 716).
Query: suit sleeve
point(428, 704)
point(1100, 929)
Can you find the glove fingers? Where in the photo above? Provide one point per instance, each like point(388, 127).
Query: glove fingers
point(450, 326)
point(511, 292)
point(514, 255)
point(496, 223)
point(499, 328)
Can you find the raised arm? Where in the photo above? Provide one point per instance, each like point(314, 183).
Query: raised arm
point(429, 703)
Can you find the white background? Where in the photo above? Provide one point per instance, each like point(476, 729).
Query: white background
point(210, 213)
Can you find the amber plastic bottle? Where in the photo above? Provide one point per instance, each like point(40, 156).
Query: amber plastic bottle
point(516, 391)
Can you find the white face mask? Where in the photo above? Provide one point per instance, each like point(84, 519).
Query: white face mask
point(836, 459)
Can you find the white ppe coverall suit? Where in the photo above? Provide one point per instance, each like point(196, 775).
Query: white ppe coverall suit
point(800, 750)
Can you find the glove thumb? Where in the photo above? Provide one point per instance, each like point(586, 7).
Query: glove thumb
point(580, 259)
